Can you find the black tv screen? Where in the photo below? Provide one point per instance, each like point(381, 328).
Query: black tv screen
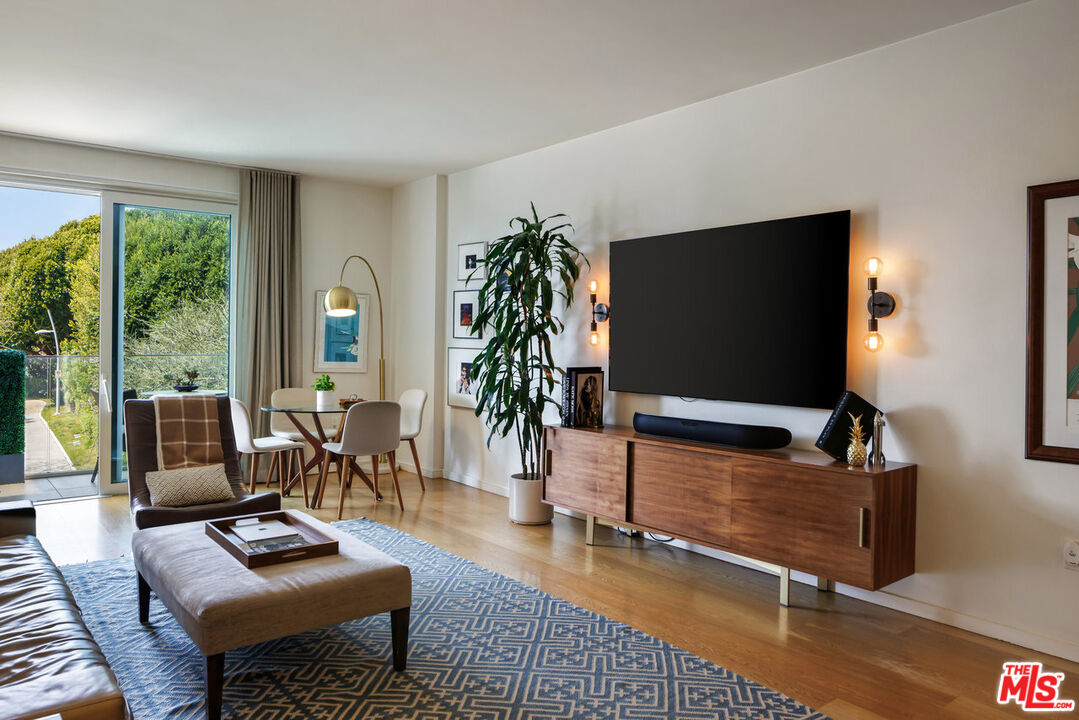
point(752, 313)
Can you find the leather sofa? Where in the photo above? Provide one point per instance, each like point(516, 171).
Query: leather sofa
point(50, 665)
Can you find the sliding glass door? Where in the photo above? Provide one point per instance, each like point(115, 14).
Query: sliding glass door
point(167, 274)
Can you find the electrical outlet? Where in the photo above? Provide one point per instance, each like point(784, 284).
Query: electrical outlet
point(1071, 554)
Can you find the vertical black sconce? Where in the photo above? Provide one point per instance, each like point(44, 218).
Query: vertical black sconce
point(600, 312)
point(880, 305)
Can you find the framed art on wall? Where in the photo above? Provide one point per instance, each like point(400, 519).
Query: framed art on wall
point(1052, 403)
point(459, 384)
point(341, 342)
point(468, 257)
point(465, 306)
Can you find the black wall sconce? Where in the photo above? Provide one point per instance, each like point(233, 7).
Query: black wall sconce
point(600, 312)
point(880, 305)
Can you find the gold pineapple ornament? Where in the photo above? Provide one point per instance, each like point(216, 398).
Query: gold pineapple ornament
point(856, 452)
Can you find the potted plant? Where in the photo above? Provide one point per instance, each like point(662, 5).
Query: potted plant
point(514, 374)
point(185, 382)
point(324, 388)
point(12, 415)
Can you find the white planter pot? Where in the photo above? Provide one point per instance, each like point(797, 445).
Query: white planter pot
point(324, 399)
point(526, 501)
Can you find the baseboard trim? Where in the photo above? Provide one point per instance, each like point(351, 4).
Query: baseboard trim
point(480, 483)
point(427, 472)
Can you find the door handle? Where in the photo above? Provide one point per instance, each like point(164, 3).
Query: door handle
point(863, 517)
point(105, 393)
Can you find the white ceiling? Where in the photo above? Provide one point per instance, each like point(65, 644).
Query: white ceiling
point(384, 91)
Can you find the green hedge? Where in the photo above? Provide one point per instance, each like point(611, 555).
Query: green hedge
point(12, 402)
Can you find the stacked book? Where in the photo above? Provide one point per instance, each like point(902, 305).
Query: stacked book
point(262, 536)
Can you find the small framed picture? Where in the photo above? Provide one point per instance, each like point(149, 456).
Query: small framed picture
point(341, 342)
point(468, 261)
point(588, 399)
point(465, 305)
point(459, 383)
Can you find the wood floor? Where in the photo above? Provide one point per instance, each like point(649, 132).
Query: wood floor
point(844, 657)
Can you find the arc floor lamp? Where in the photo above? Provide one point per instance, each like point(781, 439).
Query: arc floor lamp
point(341, 302)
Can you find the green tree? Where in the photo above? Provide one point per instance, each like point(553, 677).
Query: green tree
point(171, 258)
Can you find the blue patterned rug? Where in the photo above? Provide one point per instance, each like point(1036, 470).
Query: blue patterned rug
point(481, 647)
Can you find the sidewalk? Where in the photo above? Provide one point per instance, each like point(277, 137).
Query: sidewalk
point(44, 453)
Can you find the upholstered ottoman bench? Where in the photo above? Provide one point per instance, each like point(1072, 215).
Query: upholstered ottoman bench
point(224, 606)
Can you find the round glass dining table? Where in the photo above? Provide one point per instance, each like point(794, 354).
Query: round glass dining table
point(316, 442)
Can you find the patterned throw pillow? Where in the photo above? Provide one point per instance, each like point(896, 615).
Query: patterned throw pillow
point(197, 485)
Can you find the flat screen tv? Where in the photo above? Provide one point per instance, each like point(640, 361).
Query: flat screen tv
point(751, 313)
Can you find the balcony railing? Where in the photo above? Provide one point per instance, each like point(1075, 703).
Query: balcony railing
point(61, 402)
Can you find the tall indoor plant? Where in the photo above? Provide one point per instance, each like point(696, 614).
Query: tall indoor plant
point(515, 372)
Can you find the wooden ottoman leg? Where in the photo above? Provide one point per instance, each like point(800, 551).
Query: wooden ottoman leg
point(215, 683)
point(399, 631)
point(144, 600)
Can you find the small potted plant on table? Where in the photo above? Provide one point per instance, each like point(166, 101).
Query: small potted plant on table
point(324, 388)
point(186, 381)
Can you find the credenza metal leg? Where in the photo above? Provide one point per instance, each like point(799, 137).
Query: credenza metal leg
point(784, 586)
point(825, 585)
point(590, 530)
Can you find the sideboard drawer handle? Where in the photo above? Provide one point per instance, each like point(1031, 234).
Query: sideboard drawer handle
point(547, 463)
point(863, 515)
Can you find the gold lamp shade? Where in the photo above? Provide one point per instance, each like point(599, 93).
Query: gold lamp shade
point(340, 302)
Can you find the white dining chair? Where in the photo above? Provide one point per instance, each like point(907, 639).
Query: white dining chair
point(273, 446)
point(412, 404)
point(371, 429)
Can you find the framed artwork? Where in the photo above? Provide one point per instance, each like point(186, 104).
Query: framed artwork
point(341, 342)
point(459, 385)
point(465, 305)
point(587, 398)
point(1052, 407)
point(468, 257)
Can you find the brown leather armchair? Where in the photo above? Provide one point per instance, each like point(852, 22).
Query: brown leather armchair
point(141, 429)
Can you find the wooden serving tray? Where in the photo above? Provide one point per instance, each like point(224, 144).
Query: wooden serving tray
point(319, 545)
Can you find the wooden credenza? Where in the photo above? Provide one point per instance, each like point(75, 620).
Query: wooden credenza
point(796, 509)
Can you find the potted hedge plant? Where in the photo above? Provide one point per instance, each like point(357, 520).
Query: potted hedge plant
point(514, 374)
point(324, 388)
point(12, 416)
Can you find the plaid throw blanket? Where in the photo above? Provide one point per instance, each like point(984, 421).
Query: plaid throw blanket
point(188, 432)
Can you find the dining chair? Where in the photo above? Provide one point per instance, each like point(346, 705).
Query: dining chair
point(272, 446)
point(412, 403)
point(371, 429)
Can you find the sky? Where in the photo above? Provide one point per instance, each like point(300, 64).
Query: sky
point(38, 213)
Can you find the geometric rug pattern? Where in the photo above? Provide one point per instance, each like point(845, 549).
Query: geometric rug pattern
point(482, 646)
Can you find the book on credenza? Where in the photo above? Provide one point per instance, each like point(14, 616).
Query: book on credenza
point(835, 437)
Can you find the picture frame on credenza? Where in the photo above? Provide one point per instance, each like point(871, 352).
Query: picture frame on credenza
point(1052, 377)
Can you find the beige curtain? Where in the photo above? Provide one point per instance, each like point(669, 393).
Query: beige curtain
point(268, 290)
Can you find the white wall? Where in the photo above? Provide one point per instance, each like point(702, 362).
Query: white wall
point(338, 219)
point(931, 142)
point(419, 247)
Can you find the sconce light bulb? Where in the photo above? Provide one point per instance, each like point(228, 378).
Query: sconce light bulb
point(594, 338)
point(873, 266)
point(873, 342)
point(592, 285)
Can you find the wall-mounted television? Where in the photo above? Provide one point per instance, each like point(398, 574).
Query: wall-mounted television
point(751, 313)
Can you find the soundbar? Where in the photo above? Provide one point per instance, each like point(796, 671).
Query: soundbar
point(754, 437)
